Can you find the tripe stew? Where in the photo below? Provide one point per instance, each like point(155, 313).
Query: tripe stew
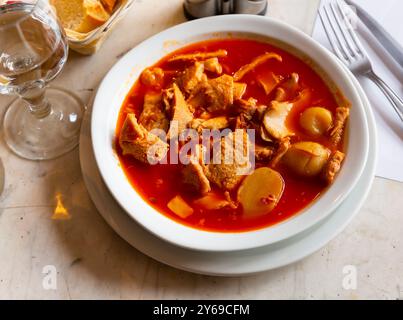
point(275, 116)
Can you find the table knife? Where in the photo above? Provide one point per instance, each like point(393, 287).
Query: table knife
point(379, 32)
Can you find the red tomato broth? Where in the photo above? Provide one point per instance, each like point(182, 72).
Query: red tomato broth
point(158, 184)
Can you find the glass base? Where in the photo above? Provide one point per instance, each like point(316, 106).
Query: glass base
point(45, 138)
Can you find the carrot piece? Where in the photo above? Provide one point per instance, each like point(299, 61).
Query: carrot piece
point(211, 201)
point(269, 82)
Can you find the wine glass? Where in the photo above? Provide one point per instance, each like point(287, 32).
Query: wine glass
point(1, 177)
point(43, 123)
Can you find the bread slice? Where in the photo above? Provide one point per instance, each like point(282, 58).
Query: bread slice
point(109, 5)
point(80, 15)
point(95, 12)
point(70, 12)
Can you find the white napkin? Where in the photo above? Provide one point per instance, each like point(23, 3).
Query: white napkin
point(390, 128)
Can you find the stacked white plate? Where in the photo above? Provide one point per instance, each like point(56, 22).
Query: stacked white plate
point(230, 262)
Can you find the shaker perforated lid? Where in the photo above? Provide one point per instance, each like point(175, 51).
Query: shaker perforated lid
point(204, 8)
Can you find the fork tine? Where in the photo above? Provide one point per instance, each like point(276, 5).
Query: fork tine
point(341, 24)
point(351, 31)
point(337, 35)
point(330, 35)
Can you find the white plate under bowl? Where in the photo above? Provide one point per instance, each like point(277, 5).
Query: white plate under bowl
point(122, 76)
point(227, 263)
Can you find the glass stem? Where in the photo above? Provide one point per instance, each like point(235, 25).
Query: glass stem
point(38, 105)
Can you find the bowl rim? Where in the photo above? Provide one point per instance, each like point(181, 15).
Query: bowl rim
point(204, 240)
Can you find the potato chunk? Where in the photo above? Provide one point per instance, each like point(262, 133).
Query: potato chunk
point(306, 158)
point(316, 120)
point(180, 207)
point(260, 192)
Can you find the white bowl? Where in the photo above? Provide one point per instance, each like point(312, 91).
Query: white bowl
point(122, 76)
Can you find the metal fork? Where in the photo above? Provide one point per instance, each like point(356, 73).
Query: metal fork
point(351, 52)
